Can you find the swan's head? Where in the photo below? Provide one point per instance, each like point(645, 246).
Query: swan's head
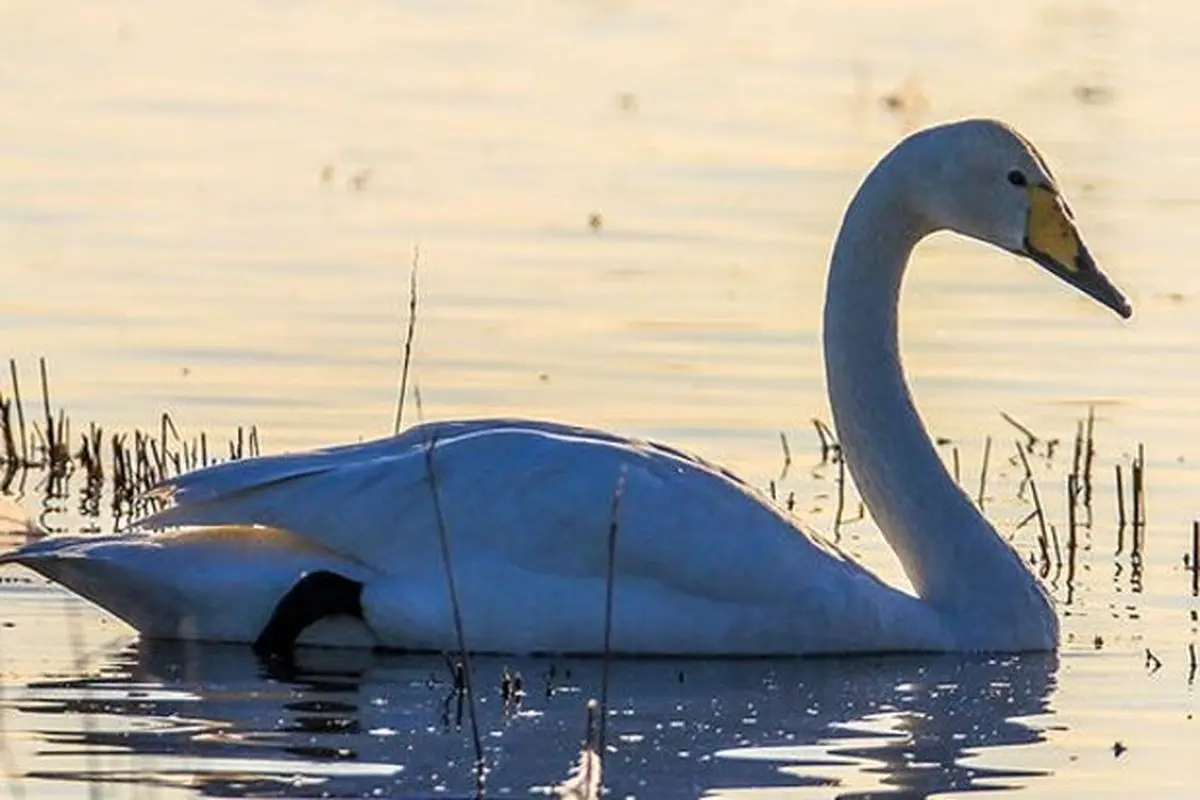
point(982, 179)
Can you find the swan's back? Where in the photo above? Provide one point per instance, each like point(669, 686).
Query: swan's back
point(528, 508)
point(525, 478)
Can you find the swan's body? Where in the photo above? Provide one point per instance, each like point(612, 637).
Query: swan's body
point(704, 565)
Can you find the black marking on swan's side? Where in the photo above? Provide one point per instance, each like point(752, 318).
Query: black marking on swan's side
point(314, 597)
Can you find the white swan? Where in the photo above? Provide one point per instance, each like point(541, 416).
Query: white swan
point(262, 548)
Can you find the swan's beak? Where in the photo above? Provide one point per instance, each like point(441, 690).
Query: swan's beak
point(1053, 241)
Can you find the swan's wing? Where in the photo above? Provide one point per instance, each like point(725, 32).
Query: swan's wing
point(232, 477)
point(704, 563)
point(528, 495)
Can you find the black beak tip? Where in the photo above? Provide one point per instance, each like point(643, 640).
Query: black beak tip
point(1109, 295)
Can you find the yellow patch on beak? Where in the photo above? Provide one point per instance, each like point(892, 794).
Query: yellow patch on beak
point(1049, 231)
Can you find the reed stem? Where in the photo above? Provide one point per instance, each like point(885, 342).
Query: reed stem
point(16, 387)
point(408, 340)
point(1195, 559)
point(983, 470)
point(459, 630)
point(614, 527)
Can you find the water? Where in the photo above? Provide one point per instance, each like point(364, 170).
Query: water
point(214, 214)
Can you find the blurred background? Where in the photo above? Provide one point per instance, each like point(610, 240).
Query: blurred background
point(623, 209)
point(622, 214)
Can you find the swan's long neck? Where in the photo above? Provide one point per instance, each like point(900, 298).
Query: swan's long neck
point(949, 551)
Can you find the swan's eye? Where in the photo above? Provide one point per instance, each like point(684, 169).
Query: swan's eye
point(1017, 178)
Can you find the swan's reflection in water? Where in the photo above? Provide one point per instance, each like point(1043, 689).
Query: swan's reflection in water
point(216, 721)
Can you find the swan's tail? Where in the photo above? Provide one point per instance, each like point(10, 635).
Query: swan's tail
point(216, 584)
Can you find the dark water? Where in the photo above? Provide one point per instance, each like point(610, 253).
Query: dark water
point(216, 721)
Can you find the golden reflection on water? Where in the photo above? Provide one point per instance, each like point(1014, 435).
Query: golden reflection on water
point(214, 213)
point(185, 228)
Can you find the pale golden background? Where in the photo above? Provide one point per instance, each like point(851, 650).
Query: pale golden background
point(211, 209)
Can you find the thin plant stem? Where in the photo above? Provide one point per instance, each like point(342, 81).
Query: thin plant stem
point(983, 470)
point(614, 528)
point(16, 387)
point(408, 339)
point(459, 630)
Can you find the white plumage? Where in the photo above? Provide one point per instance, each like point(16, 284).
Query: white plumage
point(704, 565)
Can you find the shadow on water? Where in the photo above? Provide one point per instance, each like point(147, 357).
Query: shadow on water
point(214, 720)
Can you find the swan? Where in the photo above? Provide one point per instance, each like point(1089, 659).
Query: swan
point(342, 545)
